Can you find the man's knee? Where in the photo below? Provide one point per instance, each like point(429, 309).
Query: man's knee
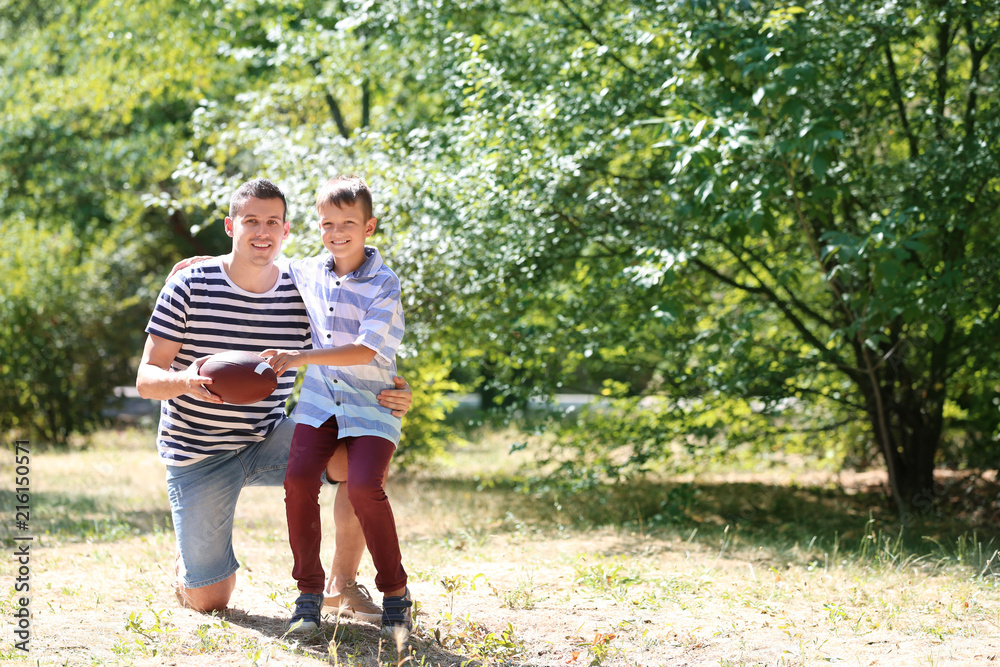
point(214, 597)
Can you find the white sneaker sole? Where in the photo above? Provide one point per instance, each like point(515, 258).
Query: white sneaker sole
point(301, 628)
point(347, 612)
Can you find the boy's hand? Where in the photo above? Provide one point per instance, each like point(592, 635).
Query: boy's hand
point(283, 360)
point(399, 399)
point(184, 263)
point(196, 383)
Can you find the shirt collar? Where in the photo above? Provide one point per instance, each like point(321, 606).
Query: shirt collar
point(372, 263)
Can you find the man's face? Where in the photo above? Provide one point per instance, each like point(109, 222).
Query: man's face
point(258, 230)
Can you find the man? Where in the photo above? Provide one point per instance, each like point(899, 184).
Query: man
point(240, 301)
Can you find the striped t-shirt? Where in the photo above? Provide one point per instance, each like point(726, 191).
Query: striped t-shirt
point(362, 307)
point(202, 309)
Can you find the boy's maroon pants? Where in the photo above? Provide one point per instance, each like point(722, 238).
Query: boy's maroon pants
point(367, 462)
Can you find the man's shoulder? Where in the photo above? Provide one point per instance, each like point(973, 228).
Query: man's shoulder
point(201, 272)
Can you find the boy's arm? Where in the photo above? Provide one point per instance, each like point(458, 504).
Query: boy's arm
point(352, 354)
point(398, 400)
point(155, 379)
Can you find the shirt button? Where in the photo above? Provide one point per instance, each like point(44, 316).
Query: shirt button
point(331, 309)
point(338, 402)
point(338, 283)
point(335, 380)
point(328, 335)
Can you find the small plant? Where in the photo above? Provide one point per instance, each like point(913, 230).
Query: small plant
point(606, 576)
point(478, 641)
point(599, 649)
point(148, 636)
point(456, 584)
point(521, 597)
point(212, 642)
point(255, 652)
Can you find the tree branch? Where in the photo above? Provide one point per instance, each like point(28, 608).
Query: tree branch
point(976, 55)
point(897, 96)
point(331, 103)
point(597, 40)
point(783, 306)
point(943, 47)
point(802, 306)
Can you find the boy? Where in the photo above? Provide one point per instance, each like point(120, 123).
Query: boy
point(353, 302)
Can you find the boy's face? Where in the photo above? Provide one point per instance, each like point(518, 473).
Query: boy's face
point(344, 230)
point(258, 230)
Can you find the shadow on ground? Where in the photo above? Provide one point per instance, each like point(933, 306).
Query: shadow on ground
point(354, 642)
point(65, 517)
point(771, 515)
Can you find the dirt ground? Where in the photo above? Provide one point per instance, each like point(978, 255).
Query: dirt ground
point(491, 587)
point(600, 599)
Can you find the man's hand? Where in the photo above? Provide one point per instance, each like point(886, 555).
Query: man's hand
point(196, 383)
point(399, 399)
point(184, 263)
point(155, 380)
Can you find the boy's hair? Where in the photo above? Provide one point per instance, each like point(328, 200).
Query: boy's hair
point(348, 190)
point(258, 188)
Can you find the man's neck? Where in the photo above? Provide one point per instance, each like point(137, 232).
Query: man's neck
point(250, 277)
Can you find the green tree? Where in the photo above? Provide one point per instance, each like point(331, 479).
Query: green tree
point(766, 203)
point(804, 196)
point(95, 101)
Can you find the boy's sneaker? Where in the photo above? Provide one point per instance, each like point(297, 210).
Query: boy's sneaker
point(354, 601)
point(306, 617)
point(396, 616)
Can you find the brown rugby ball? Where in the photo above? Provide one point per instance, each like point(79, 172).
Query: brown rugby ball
point(239, 378)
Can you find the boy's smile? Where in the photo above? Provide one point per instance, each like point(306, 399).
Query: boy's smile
point(345, 230)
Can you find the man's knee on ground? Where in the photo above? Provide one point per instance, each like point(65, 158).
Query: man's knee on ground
point(214, 597)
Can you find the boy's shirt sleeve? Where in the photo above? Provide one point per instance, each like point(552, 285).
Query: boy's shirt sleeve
point(382, 327)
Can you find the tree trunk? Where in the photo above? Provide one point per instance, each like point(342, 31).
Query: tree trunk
point(912, 424)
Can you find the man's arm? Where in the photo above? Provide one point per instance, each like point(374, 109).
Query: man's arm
point(399, 399)
point(155, 379)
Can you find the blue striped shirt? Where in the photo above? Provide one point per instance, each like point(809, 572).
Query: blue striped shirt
point(204, 311)
point(362, 307)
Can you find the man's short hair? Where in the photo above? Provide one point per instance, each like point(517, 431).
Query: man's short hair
point(258, 188)
point(349, 190)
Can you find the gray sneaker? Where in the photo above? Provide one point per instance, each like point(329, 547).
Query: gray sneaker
point(306, 616)
point(354, 601)
point(397, 617)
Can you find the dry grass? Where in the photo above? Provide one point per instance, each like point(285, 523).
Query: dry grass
point(507, 578)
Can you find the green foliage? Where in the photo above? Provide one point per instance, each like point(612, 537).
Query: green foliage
point(94, 99)
point(426, 432)
point(775, 222)
point(64, 317)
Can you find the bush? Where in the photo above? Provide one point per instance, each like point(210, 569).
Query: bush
point(65, 316)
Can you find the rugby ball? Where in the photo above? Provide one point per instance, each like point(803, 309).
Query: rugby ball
point(239, 378)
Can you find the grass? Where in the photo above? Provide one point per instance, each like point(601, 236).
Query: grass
point(723, 569)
